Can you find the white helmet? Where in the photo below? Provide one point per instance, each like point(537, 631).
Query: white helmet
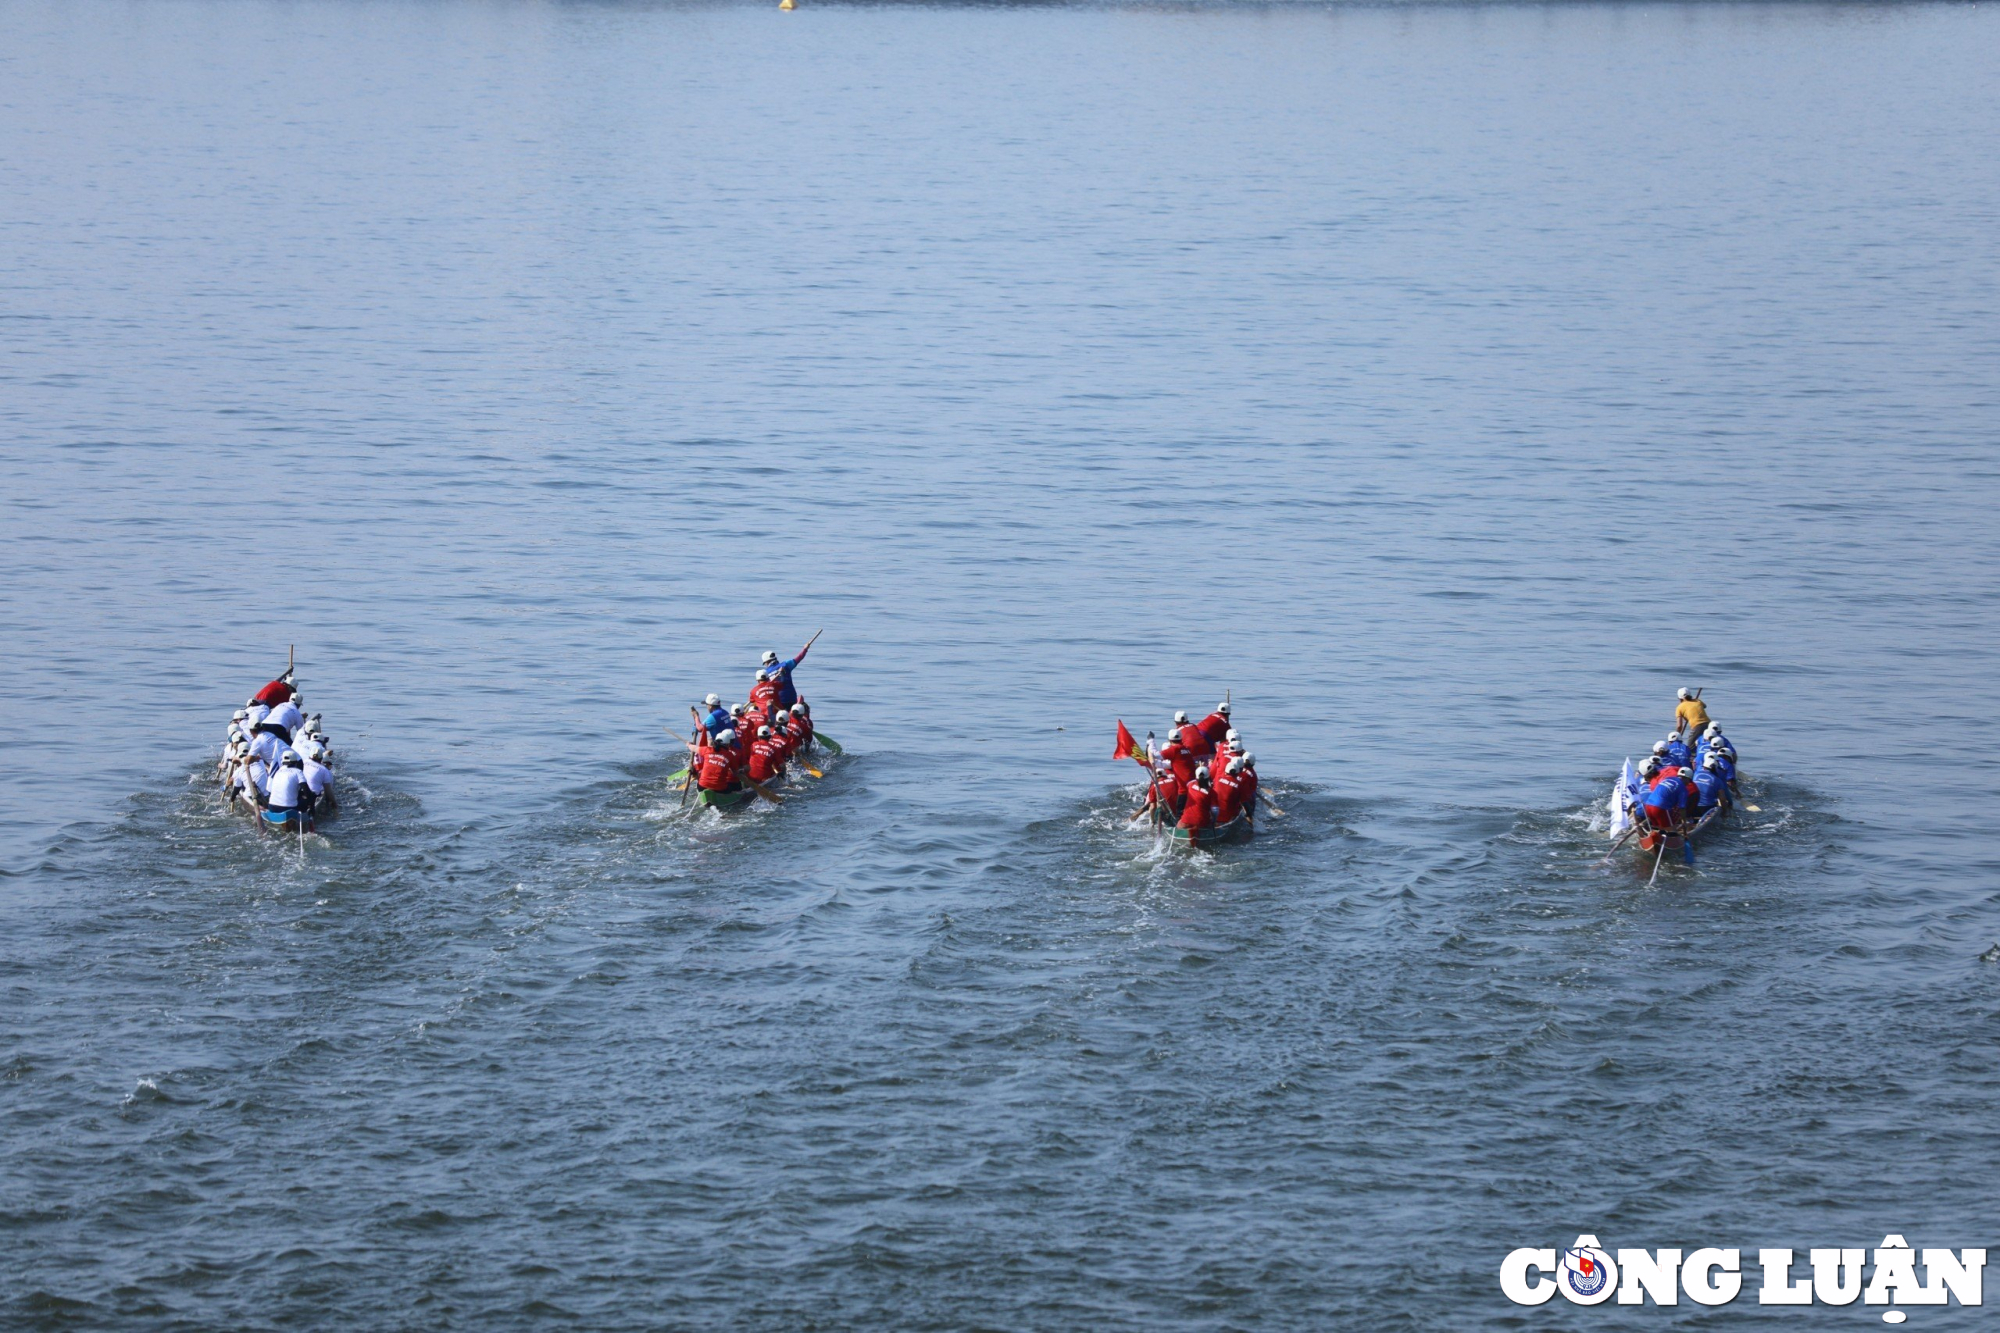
point(1236, 764)
point(1249, 761)
point(1686, 693)
point(727, 736)
point(1231, 737)
point(1651, 766)
point(1711, 762)
point(712, 701)
point(763, 733)
point(798, 710)
point(239, 715)
point(1180, 717)
point(1223, 708)
point(1659, 747)
point(769, 657)
point(738, 710)
point(1201, 773)
point(1713, 733)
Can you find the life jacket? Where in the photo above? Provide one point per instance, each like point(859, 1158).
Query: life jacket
point(716, 772)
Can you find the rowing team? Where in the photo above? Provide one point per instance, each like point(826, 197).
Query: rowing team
point(1203, 777)
point(752, 740)
point(1681, 785)
point(277, 761)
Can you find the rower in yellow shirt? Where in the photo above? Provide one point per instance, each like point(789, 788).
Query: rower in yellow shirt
point(1691, 715)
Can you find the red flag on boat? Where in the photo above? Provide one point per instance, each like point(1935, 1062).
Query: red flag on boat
point(1130, 749)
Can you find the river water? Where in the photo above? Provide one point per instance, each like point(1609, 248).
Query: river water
point(1445, 384)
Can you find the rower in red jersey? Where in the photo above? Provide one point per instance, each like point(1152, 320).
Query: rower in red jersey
point(1216, 725)
point(715, 765)
point(1191, 737)
point(1163, 796)
point(1228, 786)
point(767, 763)
point(1176, 757)
point(802, 724)
point(279, 691)
point(764, 694)
point(1246, 783)
point(1198, 809)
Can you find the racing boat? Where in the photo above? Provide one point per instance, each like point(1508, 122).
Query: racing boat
point(1238, 829)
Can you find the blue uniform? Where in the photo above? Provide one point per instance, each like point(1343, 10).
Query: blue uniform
point(782, 673)
point(1677, 755)
point(716, 719)
point(1711, 788)
point(1671, 794)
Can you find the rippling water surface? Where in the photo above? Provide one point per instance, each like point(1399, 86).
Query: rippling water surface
point(1447, 384)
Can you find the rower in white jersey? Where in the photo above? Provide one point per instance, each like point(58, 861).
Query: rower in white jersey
point(284, 797)
point(289, 716)
point(319, 777)
point(251, 775)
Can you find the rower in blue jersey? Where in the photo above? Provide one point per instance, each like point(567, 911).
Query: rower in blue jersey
point(781, 673)
point(1665, 801)
point(1711, 788)
point(1676, 753)
point(714, 718)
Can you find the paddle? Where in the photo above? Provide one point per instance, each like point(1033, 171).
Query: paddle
point(832, 745)
point(1656, 861)
point(763, 791)
point(687, 774)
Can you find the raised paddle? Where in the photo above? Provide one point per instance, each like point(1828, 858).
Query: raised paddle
point(832, 745)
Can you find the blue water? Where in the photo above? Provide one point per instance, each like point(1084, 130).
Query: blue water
point(1447, 384)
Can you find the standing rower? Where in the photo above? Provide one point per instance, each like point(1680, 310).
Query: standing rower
point(781, 673)
point(1216, 725)
point(1690, 715)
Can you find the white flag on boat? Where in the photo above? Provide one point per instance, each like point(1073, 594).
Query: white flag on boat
point(1625, 798)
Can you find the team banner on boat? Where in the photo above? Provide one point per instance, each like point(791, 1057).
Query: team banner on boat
point(1587, 1274)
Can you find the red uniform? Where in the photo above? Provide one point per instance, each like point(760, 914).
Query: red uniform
point(1166, 793)
point(766, 763)
point(802, 730)
point(715, 771)
point(762, 695)
point(1179, 760)
point(1228, 796)
point(1198, 812)
point(275, 693)
point(1215, 726)
point(1195, 742)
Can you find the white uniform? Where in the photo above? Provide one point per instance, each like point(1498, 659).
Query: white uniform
point(257, 714)
point(268, 748)
point(318, 776)
point(250, 779)
point(288, 716)
point(283, 793)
